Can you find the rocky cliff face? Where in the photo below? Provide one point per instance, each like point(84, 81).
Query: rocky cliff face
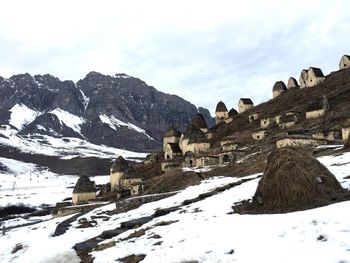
point(118, 111)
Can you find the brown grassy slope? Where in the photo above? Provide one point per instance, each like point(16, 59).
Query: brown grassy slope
point(336, 87)
point(172, 181)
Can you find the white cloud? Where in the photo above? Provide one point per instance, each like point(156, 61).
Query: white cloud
point(205, 51)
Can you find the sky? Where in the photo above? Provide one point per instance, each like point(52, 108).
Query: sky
point(203, 51)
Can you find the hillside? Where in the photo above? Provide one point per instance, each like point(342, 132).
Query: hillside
point(336, 88)
point(249, 155)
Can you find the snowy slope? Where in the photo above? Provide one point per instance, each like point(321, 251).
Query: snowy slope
point(28, 184)
point(86, 99)
point(21, 115)
point(65, 147)
point(114, 123)
point(70, 120)
point(203, 231)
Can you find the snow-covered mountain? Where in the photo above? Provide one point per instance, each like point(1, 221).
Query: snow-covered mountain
point(118, 111)
point(190, 229)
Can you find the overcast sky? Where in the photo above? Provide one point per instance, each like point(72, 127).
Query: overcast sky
point(203, 51)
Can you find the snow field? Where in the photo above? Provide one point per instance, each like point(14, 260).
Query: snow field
point(114, 122)
point(21, 115)
point(205, 231)
point(25, 183)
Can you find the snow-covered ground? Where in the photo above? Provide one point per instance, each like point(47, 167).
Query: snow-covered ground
point(65, 147)
point(203, 231)
point(21, 116)
point(70, 120)
point(114, 123)
point(26, 183)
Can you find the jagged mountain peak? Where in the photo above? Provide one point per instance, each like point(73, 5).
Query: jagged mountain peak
point(23, 76)
point(120, 111)
point(122, 76)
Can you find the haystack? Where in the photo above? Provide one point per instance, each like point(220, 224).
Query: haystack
point(293, 180)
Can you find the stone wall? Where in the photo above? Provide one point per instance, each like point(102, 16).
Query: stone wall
point(229, 147)
point(277, 93)
point(207, 160)
point(315, 114)
point(134, 202)
point(303, 79)
point(259, 135)
point(151, 158)
point(312, 79)
point(68, 210)
point(226, 157)
point(115, 179)
point(308, 78)
point(183, 144)
point(345, 134)
point(198, 147)
point(80, 198)
point(220, 116)
point(169, 166)
point(253, 117)
point(287, 125)
point(209, 135)
point(133, 184)
point(264, 123)
point(189, 161)
point(229, 120)
point(172, 139)
point(330, 135)
point(169, 154)
point(344, 62)
point(299, 142)
point(244, 107)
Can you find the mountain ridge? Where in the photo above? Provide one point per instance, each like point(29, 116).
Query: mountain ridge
point(119, 111)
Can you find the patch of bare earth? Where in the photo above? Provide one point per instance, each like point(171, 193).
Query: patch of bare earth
point(17, 247)
point(132, 258)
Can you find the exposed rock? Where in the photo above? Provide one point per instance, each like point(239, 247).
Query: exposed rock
point(123, 99)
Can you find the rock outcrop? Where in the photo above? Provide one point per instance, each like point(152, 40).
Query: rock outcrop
point(119, 111)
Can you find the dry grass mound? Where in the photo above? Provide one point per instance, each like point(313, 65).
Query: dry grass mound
point(293, 180)
point(172, 181)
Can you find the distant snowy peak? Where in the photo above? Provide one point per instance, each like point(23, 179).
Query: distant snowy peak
point(21, 115)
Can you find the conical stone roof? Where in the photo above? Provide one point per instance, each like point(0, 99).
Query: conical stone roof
point(232, 112)
point(119, 165)
point(197, 136)
point(199, 122)
point(171, 131)
point(279, 86)
point(292, 83)
point(221, 107)
point(84, 185)
point(130, 173)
